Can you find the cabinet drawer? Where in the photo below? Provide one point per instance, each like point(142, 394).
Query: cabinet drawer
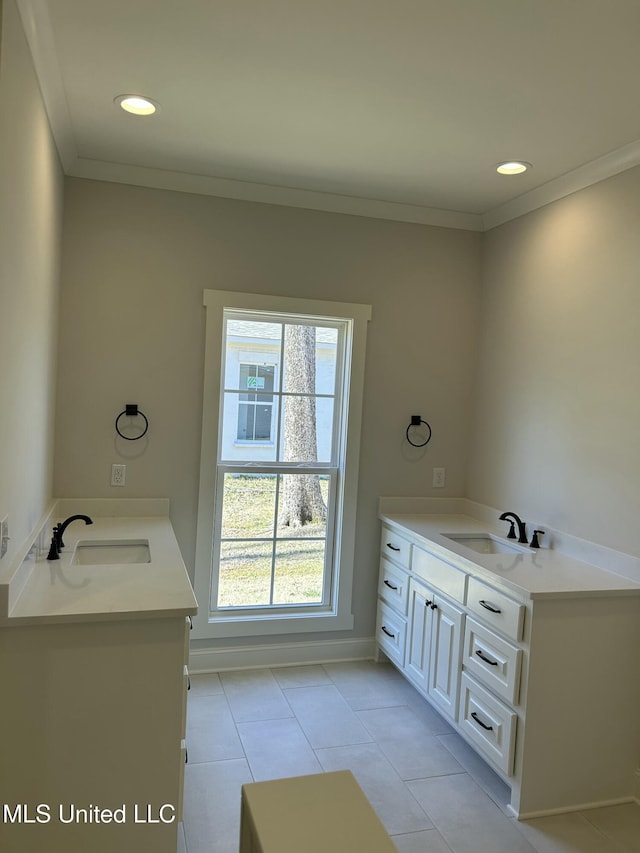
point(496, 609)
point(395, 547)
point(488, 724)
point(391, 633)
point(492, 660)
point(393, 586)
point(443, 576)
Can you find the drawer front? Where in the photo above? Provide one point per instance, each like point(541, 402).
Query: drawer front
point(391, 633)
point(395, 547)
point(488, 724)
point(492, 660)
point(393, 586)
point(496, 609)
point(443, 576)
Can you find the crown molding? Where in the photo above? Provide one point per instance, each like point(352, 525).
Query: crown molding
point(578, 179)
point(269, 194)
point(39, 34)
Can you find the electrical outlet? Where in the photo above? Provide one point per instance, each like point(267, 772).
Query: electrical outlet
point(4, 536)
point(438, 478)
point(118, 475)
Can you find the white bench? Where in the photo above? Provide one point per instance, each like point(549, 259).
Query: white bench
point(322, 813)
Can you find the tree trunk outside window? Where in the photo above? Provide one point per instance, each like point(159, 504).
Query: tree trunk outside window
point(302, 501)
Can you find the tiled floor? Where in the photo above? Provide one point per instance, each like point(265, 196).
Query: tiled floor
point(270, 723)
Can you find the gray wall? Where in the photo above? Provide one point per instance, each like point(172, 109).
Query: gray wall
point(135, 264)
point(558, 401)
point(30, 229)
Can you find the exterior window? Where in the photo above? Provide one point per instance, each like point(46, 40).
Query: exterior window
point(255, 409)
point(277, 492)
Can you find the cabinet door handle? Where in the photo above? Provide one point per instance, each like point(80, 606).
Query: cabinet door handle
point(486, 659)
point(393, 547)
point(428, 603)
point(388, 633)
point(390, 585)
point(480, 723)
point(434, 606)
point(190, 623)
point(486, 606)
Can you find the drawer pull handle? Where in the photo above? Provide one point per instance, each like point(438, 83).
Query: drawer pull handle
point(480, 723)
point(393, 547)
point(190, 623)
point(486, 659)
point(390, 585)
point(388, 633)
point(486, 606)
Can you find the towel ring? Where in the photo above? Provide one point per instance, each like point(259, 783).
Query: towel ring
point(132, 411)
point(416, 420)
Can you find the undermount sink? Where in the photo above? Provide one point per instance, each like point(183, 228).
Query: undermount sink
point(484, 543)
point(110, 552)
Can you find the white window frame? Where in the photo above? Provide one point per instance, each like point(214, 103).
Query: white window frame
point(337, 617)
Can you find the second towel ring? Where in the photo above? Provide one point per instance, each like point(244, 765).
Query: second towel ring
point(132, 411)
point(416, 420)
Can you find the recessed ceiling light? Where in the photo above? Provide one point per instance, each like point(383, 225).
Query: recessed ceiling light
point(512, 167)
point(136, 104)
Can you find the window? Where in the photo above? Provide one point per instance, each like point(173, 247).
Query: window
point(281, 422)
point(255, 411)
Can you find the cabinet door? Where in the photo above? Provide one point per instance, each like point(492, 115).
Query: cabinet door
point(419, 634)
point(445, 656)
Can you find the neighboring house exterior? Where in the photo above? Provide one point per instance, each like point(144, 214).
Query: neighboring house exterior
point(253, 367)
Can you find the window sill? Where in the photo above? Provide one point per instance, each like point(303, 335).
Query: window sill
point(211, 627)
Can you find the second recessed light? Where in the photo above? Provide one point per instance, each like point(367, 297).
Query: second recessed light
point(136, 105)
point(513, 167)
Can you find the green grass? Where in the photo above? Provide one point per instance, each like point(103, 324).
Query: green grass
point(245, 567)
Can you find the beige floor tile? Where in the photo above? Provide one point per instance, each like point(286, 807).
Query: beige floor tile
point(407, 742)
point(325, 717)
point(620, 823)
point(566, 833)
point(254, 694)
point(385, 790)
point(468, 820)
point(276, 749)
point(429, 841)
point(211, 731)
point(300, 676)
point(206, 684)
point(212, 805)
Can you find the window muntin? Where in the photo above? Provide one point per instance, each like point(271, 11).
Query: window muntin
point(301, 372)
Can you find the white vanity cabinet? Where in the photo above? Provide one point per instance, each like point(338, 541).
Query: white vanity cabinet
point(93, 718)
point(544, 685)
point(434, 640)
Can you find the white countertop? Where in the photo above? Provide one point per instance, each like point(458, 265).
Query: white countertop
point(535, 573)
point(60, 591)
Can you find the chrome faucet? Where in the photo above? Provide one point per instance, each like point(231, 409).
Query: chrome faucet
point(513, 519)
point(56, 540)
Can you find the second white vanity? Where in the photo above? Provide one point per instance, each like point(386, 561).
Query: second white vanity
point(531, 655)
point(93, 667)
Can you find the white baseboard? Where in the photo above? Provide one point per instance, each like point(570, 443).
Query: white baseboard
point(281, 654)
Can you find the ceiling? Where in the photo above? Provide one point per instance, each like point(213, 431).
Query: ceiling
point(393, 108)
